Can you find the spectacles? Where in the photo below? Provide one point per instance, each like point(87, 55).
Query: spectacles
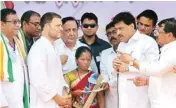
point(35, 23)
point(89, 25)
point(14, 22)
point(111, 33)
point(156, 32)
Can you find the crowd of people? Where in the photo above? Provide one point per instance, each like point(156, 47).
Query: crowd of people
point(43, 63)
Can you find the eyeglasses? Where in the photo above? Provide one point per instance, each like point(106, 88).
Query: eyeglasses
point(89, 25)
point(156, 32)
point(111, 33)
point(35, 23)
point(14, 22)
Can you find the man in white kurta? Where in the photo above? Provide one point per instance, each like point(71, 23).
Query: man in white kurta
point(143, 48)
point(12, 65)
point(45, 74)
point(162, 83)
point(14, 97)
point(162, 87)
point(45, 68)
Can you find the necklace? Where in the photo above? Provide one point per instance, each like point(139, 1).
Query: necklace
point(78, 73)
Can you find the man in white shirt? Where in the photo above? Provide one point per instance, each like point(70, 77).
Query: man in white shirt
point(68, 44)
point(162, 83)
point(13, 76)
point(44, 65)
point(106, 69)
point(143, 48)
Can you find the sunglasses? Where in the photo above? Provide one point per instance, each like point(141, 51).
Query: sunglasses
point(89, 25)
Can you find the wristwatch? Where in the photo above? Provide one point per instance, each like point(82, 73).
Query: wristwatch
point(131, 62)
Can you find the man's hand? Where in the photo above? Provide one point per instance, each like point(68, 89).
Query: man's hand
point(63, 59)
point(174, 69)
point(105, 86)
point(66, 102)
point(120, 66)
point(169, 69)
point(139, 81)
point(116, 64)
point(4, 107)
point(63, 101)
point(123, 67)
point(124, 57)
point(69, 100)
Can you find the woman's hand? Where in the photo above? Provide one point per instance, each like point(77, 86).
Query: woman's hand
point(77, 93)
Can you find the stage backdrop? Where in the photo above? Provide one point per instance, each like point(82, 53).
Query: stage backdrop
point(105, 10)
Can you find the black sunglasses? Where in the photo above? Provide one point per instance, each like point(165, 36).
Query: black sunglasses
point(89, 25)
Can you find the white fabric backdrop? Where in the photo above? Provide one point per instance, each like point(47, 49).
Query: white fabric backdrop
point(104, 10)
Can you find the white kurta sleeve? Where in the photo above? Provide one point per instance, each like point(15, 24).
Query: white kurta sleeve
point(152, 51)
point(3, 101)
point(37, 64)
point(159, 68)
point(154, 68)
point(151, 55)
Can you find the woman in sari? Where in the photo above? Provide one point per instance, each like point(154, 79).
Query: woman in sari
point(82, 81)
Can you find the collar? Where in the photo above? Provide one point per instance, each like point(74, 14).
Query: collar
point(46, 40)
point(135, 37)
point(110, 51)
point(77, 44)
point(170, 44)
point(97, 40)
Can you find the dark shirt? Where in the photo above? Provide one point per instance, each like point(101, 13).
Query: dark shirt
point(29, 43)
point(97, 47)
point(153, 36)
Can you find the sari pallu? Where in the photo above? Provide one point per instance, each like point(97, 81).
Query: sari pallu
point(84, 84)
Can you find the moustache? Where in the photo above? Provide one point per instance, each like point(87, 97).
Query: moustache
point(112, 38)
